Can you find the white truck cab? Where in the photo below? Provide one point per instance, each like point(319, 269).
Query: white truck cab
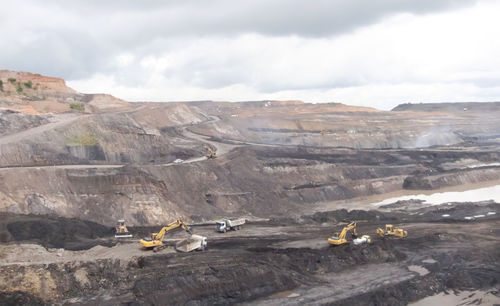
point(227, 225)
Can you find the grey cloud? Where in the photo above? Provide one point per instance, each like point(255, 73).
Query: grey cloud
point(78, 38)
point(148, 19)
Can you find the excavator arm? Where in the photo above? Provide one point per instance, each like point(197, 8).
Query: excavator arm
point(171, 226)
point(156, 241)
point(340, 239)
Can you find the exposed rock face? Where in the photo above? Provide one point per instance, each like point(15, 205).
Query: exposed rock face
point(251, 182)
point(42, 83)
point(13, 121)
point(451, 178)
point(112, 159)
point(337, 125)
point(48, 94)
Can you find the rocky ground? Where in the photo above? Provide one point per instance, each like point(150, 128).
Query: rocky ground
point(71, 164)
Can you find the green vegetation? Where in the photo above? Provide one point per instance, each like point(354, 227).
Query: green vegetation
point(12, 80)
point(86, 139)
point(19, 89)
point(77, 106)
point(28, 84)
point(1, 85)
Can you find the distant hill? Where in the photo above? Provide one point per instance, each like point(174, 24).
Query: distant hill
point(448, 106)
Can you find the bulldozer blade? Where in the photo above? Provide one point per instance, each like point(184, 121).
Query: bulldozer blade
point(124, 236)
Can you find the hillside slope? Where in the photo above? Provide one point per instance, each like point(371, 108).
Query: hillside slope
point(146, 162)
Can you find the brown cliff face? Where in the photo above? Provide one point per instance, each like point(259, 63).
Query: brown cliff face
point(33, 93)
point(38, 82)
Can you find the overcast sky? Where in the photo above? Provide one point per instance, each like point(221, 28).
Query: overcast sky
point(375, 53)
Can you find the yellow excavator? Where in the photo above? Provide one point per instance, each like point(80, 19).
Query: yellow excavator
point(340, 239)
point(156, 240)
point(390, 230)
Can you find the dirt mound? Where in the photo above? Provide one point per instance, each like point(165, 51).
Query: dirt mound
point(103, 102)
point(53, 232)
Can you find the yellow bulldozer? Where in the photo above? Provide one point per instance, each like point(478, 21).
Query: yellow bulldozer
point(156, 240)
point(211, 153)
point(390, 230)
point(339, 239)
point(122, 230)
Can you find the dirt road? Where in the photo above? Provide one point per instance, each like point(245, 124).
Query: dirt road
point(57, 121)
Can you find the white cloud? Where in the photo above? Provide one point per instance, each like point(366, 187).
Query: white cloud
point(124, 59)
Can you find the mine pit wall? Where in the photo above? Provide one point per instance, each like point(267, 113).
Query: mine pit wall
point(115, 139)
point(245, 183)
point(209, 279)
point(101, 195)
point(452, 178)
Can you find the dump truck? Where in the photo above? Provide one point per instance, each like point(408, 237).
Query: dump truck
point(390, 230)
point(362, 240)
point(227, 225)
point(193, 243)
point(122, 230)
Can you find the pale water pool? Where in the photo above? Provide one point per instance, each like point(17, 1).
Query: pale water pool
point(473, 195)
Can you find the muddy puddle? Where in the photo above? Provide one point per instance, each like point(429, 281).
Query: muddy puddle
point(473, 195)
point(476, 297)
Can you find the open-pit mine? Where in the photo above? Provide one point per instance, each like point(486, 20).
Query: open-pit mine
point(281, 178)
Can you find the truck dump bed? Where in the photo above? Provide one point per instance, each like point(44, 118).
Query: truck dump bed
point(236, 222)
point(190, 244)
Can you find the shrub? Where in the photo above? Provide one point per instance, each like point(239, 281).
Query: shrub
point(28, 84)
point(19, 89)
point(86, 139)
point(77, 106)
point(12, 80)
point(1, 85)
